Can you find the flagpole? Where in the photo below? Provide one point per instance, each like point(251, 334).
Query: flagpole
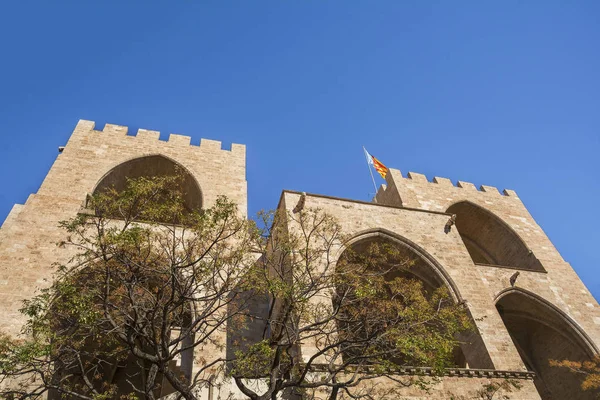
point(369, 162)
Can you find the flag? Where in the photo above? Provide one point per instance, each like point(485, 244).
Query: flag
point(378, 165)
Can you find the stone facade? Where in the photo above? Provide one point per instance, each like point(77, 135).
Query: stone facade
point(29, 235)
point(543, 312)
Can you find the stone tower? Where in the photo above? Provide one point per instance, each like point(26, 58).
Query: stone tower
point(529, 305)
point(543, 312)
point(92, 159)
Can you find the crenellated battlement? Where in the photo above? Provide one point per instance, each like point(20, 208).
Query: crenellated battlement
point(395, 178)
point(150, 135)
point(479, 243)
point(415, 190)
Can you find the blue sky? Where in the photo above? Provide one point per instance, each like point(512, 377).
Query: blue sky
point(505, 94)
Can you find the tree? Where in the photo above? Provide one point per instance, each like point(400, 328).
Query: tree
point(589, 370)
point(154, 290)
point(494, 390)
point(149, 282)
point(362, 317)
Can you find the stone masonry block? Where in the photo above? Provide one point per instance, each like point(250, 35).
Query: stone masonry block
point(147, 134)
point(489, 189)
point(115, 129)
point(179, 140)
point(466, 185)
point(208, 144)
point(442, 181)
point(417, 177)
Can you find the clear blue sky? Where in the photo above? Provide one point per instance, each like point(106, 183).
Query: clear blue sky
point(502, 93)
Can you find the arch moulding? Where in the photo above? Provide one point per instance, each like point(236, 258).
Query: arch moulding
point(592, 349)
point(115, 165)
point(431, 262)
point(496, 217)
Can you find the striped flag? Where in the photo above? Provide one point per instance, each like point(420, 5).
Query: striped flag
point(378, 165)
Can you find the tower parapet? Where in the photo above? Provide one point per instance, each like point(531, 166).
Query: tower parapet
point(481, 243)
point(85, 126)
point(29, 234)
point(396, 191)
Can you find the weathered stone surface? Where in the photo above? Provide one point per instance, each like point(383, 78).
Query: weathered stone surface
point(29, 235)
point(411, 209)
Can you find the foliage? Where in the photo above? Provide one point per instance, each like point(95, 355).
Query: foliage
point(357, 319)
point(489, 391)
point(590, 370)
point(134, 299)
point(151, 282)
point(495, 390)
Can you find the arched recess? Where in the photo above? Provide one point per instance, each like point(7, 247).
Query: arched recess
point(384, 235)
point(94, 352)
point(472, 352)
point(150, 166)
point(127, 372)
point(490, 240)
point(542, 332)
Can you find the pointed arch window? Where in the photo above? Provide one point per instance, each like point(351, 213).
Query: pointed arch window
point(541, 332)
point(148, 167)
point(472, 352)
point(490, 241)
